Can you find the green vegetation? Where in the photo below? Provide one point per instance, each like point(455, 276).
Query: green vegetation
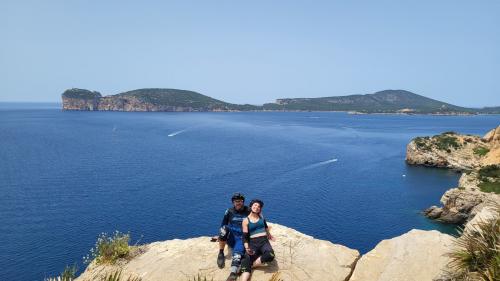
point(476, 255)
point(81, 94)
point(490, 187)
point(446, 142)
point(108, 249)
point(117, 276)
point(481, 151)
point(422, 143)
point(388, 101)
point(183, 98)
point(68, 274)
point(490, 178)
point(490, 171)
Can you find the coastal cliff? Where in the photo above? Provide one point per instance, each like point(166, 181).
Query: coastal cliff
point(299, 257)
point(479, 161)
point(172, 100)
point(158, 99)
point(80, 99)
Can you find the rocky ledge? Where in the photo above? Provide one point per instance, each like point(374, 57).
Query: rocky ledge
point(479, 161)
point(298, 257)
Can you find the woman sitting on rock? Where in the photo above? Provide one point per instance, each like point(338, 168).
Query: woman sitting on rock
point(256, 238)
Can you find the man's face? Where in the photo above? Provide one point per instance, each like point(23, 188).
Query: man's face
point(238, 204)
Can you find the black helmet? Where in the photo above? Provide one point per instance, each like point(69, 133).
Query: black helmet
point(237, 196)
point(256, 201)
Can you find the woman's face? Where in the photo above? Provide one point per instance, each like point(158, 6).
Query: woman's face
point(256, 208)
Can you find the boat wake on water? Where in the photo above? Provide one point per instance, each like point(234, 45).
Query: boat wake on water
point(176, 133)
point(322, 163)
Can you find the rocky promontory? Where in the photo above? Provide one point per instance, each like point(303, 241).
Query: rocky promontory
point(146, 100)
point(479, 161)
point(299, 257)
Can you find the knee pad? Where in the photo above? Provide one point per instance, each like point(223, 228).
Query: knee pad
point(267, 256)
point(246, 264)
point(236, 260)
point(223, 233)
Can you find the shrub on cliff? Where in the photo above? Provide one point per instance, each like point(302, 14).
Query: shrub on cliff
point(109, 248)
point(476, 255)
point(446, 142)
point(68, 274)
point(481, 151)
point(490, 178)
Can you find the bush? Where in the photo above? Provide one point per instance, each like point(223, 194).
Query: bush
point(490, 171)
point(421, 143)
point(490, 187)
point(477, 252)
point(68, 274)
point(108, 249)
point(445, 142)
point(481, 151)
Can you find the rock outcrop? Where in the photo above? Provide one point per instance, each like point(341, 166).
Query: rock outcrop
point(476, 157)
point(80, 99)
point(448, 150)
point(415, 256)
point(298, 257)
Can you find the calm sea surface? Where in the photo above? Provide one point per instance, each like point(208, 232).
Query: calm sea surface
point(65, 177)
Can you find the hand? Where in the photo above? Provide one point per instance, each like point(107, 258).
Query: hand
point(249, 251)
point(271, 238)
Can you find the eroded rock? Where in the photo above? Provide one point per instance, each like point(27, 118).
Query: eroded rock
point(415, 256)
point(298, 257)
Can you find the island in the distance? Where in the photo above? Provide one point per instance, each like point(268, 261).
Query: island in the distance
point(156, 99)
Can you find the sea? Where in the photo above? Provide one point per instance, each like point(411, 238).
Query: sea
point(68, 176)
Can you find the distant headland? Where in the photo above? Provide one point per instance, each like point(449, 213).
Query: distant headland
point(174, 100)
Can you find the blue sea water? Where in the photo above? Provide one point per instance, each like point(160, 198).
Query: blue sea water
point(65, 177)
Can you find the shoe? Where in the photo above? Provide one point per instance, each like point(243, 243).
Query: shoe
point(220, 260)
point(232, 277)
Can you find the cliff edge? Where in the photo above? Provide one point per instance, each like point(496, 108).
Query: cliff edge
point(299, 257)
point(479, 161)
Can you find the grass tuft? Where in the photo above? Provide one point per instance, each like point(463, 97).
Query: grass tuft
point(108, 249)
point(477, 252)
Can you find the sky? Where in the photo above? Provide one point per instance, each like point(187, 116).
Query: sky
point(252, 51)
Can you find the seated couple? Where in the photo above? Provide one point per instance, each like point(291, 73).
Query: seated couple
point(246, 232)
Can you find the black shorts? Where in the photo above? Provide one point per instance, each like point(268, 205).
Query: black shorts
point(259, 246)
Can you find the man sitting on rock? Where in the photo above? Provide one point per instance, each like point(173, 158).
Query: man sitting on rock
point(232, 234)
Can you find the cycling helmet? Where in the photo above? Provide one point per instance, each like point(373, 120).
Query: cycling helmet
point(237, 196)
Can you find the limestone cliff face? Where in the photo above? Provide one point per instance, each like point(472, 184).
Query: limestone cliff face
point(414, 256)
point(493, 156)
point(460, 152)
point(80, 99)
point(146, 100)
point(131, 103)
point(448, 150)
point(298, 257)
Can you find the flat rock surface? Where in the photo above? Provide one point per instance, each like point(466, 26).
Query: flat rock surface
point(414, 256)
point(298, 257)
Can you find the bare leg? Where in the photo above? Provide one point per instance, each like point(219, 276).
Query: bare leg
point(257, 262)
point(220, 256)
point(222, 244)
point(245, 276)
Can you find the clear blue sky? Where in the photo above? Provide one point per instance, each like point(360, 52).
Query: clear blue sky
point(252, 51)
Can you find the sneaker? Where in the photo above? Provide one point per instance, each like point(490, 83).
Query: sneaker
point(232, 277)
point(220, 260)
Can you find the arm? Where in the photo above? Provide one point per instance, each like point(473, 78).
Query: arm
point(268, 231)
point(246, 235)
point(225, 219)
